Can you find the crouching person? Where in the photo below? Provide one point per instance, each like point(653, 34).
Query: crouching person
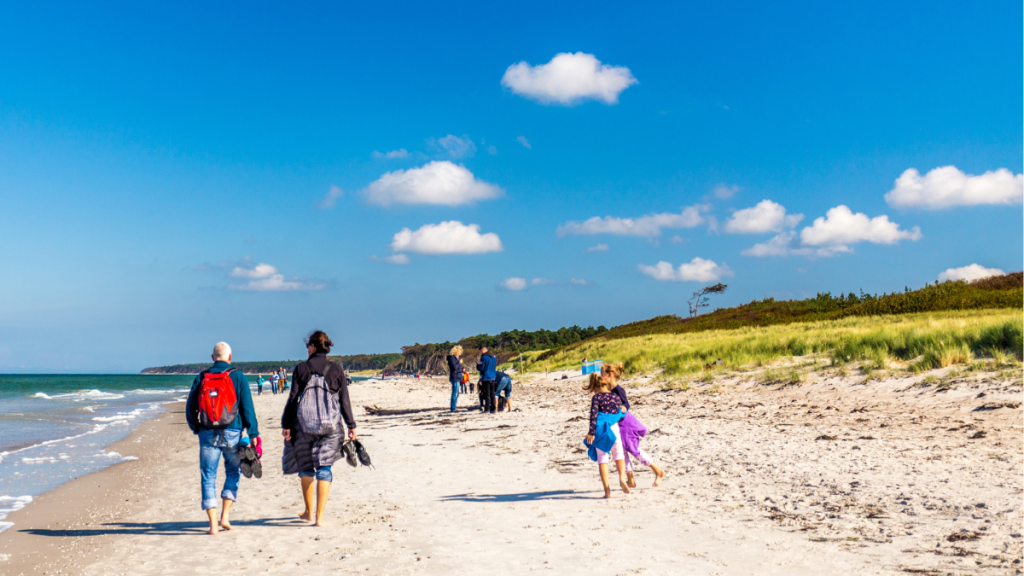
point(218, 409)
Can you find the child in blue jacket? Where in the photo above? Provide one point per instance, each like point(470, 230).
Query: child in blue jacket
point(603, 438)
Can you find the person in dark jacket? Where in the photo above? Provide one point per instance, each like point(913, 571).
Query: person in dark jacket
point(307, 455)
point(455, 371)
point(504, 383)
point(214, 444)
point(486, 366)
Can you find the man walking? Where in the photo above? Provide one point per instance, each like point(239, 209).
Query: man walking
point(218, 408)
point(486, 366)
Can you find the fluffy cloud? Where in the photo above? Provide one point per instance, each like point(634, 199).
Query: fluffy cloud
point(399, 259)
point(454, 146)
point(767, 216)
point(568, 79)
point(648, 226)
point(515, 284)
point(439, 183)
point(972, 272)
point(948, 186)
point(276, 283)
point(782, 245)
point(450, 237)
point(841, 227)
point(526, 143)
point(332, 197)
point(260, 270)
point(697, 270)
point(598, 248)
point(400, 153)
point(725, 191)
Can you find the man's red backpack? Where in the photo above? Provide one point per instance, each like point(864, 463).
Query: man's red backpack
point(218, 403)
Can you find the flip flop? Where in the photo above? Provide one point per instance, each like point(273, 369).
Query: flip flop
point(257, 468)
point(246, 468)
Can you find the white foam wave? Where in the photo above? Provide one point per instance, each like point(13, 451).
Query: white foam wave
point(159, 391)
point(79, 396)
point(95, 429)
point(45, 459)
point(10, 504)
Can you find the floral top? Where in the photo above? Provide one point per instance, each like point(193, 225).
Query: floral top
point(606, 402)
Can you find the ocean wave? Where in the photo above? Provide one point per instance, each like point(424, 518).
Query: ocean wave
point(10, 504)
point(96, 428)
point(159, 391)
point(45, 459)
point(79, 396)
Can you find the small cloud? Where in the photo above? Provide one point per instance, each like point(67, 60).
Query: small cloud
point(969, 273)
point(697, 270)
point(949, 186)
point(526, 143)
point(332, 197)
point(439, 183)
point(598, 248)
point(540, 281)
point(399, 259)
point(676, 239)
point(489, 148)
point(450, 237)
point(648, 226)
point(400, 153)
point(454, 146)
point(568, 79)
point(841, 227)
point(767, 216)
point(580, 282)
point(260, 270)
point(276, 283)
point(725, 191)
point(515, 284)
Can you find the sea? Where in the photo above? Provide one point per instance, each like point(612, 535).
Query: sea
point(54, 428)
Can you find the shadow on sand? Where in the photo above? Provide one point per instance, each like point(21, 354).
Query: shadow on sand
point(157, 528)
point(520, 497)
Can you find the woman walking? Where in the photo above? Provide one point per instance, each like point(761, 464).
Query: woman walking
point(312, 423)
point(455, 371)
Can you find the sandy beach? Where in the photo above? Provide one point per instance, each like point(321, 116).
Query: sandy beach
point(831, 476)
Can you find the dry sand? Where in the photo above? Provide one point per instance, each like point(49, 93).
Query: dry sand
point(833, 476)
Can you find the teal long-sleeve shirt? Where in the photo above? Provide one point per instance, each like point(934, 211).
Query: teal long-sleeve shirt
point(246, 412)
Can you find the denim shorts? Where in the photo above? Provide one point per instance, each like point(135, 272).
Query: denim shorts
point(322, 473)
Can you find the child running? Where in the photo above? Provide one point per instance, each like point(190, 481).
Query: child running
point(633, 431)
point(603, 438)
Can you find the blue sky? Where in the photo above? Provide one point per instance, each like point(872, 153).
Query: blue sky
point(153, 156)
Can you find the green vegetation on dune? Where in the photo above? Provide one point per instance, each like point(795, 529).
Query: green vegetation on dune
point(922, 340)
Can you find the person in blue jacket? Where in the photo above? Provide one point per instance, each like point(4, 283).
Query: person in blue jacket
point(221, 442)
point(487, 367)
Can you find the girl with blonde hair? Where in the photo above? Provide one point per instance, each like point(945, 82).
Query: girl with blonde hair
point(604, 442)
point(455, 371)
point(632, 429)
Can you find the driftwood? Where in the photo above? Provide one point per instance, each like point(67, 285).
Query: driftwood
point(378, 411)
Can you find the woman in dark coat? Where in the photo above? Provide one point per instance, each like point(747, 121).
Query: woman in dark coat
point(455, 371)
point(311, 456)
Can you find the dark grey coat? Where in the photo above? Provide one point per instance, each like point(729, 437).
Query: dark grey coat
point(304, 451)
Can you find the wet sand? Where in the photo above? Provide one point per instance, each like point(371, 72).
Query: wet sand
point(832, 476)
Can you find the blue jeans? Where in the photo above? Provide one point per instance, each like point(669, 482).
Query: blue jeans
point(455, 394)
point(212, 445)
point(322, 473)
point(506, 385)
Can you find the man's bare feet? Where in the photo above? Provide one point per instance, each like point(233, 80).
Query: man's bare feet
point(307, 515)
point(225, 524)
point(213, 530)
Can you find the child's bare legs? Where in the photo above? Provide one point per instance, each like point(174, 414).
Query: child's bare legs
point(659, 473)
point(620, 465)
point(307, 496)
point(603, 468)
point(323, 489)
point(212, 513)
point(629, 474)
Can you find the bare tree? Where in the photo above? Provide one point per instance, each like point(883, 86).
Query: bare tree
point(700, 299)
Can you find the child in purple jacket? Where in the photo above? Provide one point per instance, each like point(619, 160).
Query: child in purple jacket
point(632, 430)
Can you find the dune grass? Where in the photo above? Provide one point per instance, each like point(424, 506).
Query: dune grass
point(919, 341)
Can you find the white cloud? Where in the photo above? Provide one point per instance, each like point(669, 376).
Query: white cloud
point(948, 186)
point(276, 283)
point(568, 79)
point(454, 146)
point(580, 281)
point(450, 237)
point(972, 272)
point(541, 281)
point(439, 183)
point(399, 259)
point(841, 227)
point(724, 191)
point(332, 197)
point(598, 248)
point(526, 143)
point(648, 226)
point(515, 284)
point(260, 270)
point(767, 216)
point(400, 153)
point(779, 245)
point(697, 270)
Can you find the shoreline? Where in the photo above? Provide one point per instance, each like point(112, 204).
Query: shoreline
point(830, 477)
